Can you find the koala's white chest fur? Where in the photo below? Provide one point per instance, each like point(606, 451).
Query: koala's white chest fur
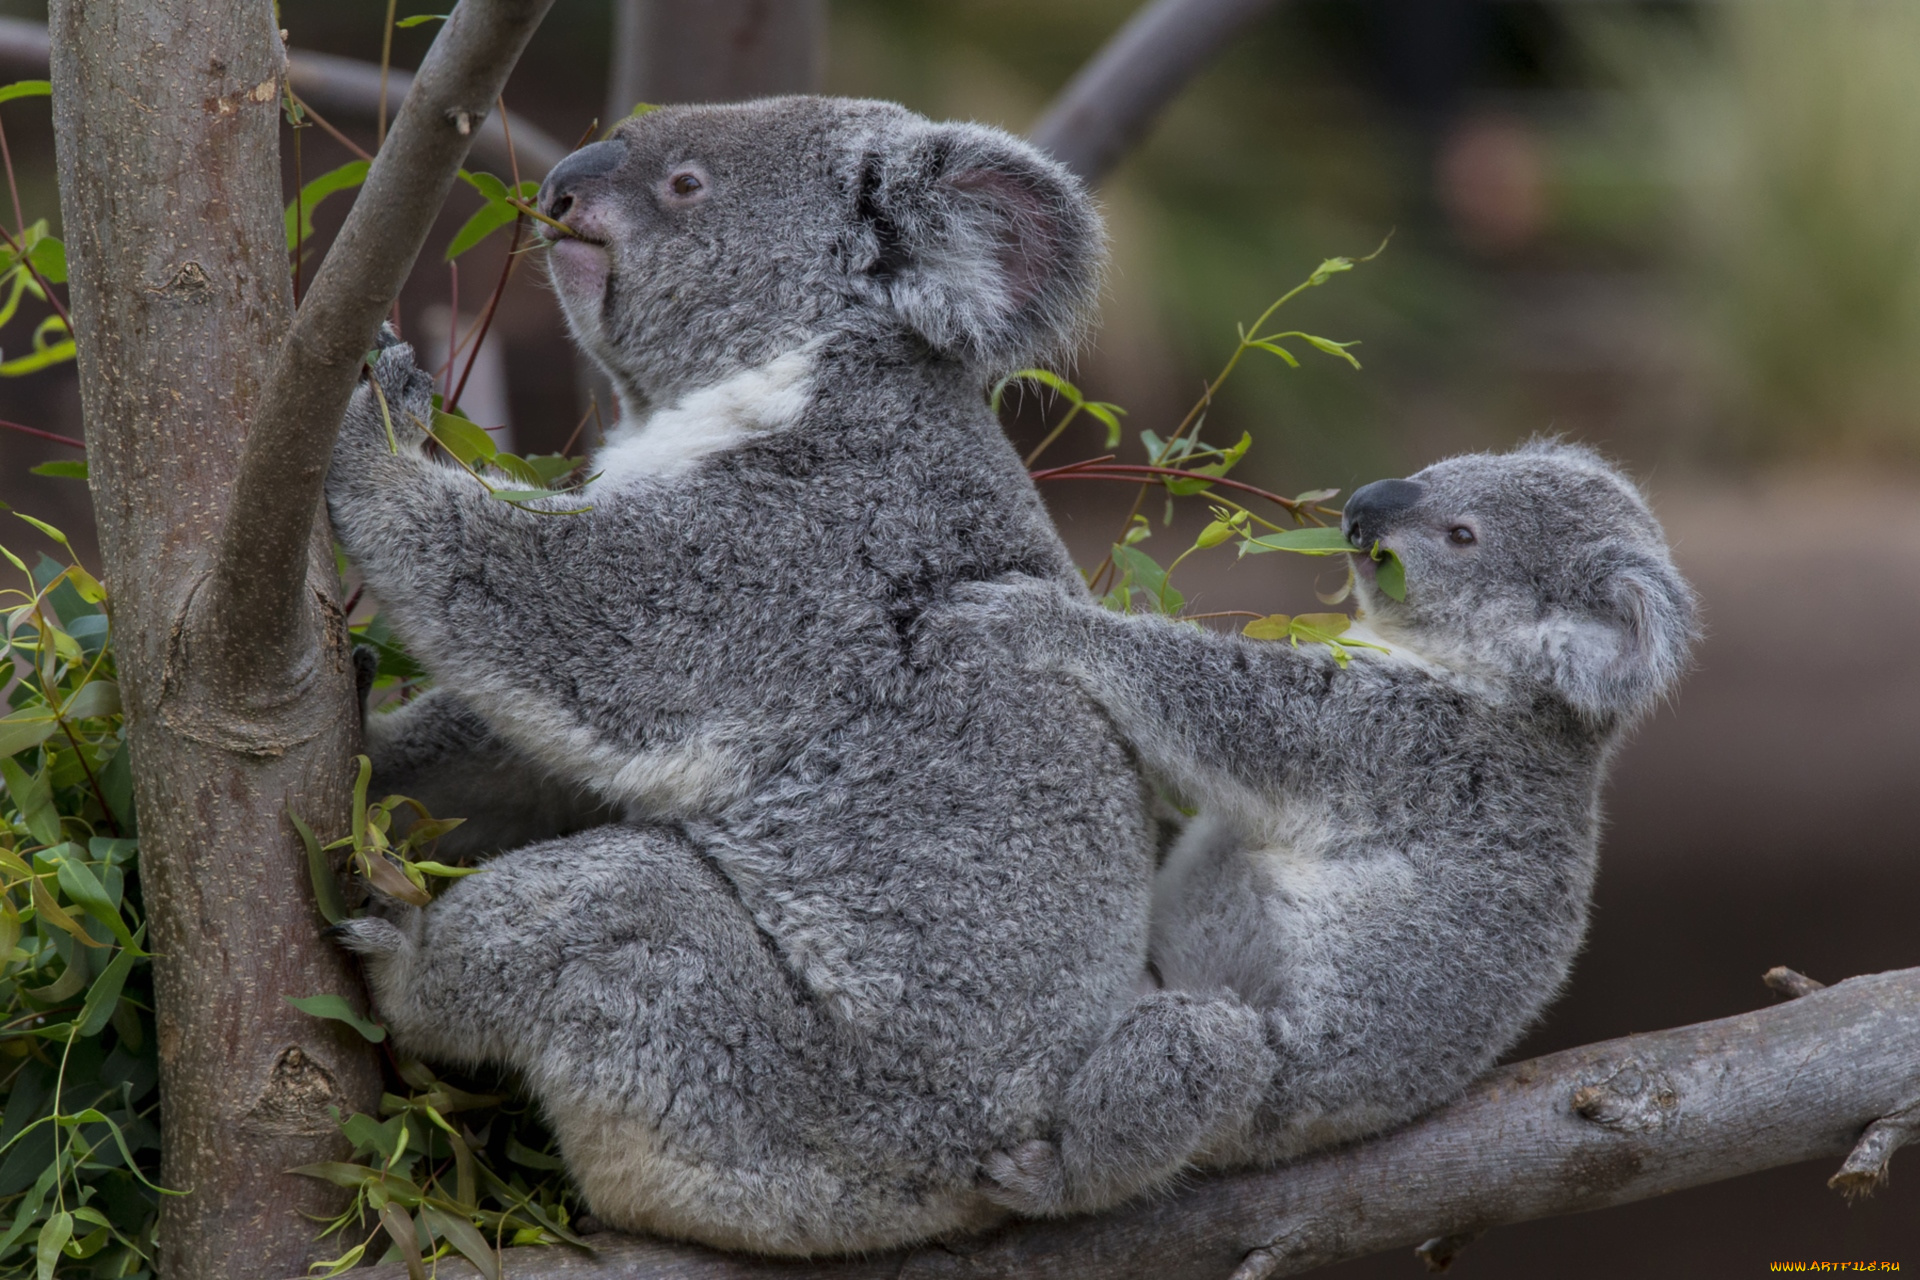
point(672, 440)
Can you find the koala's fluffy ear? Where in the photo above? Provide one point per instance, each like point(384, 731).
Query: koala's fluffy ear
point(982, 245)
point(1617, 660)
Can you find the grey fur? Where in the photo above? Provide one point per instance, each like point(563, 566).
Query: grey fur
point(1392, 861)
point(876, 908)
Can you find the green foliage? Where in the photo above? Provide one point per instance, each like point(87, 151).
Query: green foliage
point(500, 210)
point(299, 215)
point(1182, 465)
point(449, 1166)
point(78, 1137)
point(448, 1171)
point(1329, 629)
point(38, 260)
point(536, 476)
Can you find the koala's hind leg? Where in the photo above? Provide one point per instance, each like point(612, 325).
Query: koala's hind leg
point(695, 1089)
point(1174, 1072)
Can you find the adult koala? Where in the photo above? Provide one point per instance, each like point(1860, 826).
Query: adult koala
point(871, 913)
point(1393, 858)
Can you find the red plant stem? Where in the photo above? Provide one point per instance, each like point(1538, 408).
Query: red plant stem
point(453, 327)
point(69, 441)
point(1147, 475)
point(19, 218)
point(299, 215)
point(493, 304)
point(38, 279)
point(513, 161)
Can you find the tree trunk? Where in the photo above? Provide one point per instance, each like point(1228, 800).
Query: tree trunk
point(166, 120)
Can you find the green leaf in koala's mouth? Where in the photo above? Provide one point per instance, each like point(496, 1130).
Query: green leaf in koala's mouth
point(1390, 574)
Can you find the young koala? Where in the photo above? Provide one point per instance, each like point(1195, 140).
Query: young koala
point(869, 913)
point(1392, 859)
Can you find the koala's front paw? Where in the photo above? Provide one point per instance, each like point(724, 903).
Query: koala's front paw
point(1030, 1179)
point(396, 394)
point(371, 937)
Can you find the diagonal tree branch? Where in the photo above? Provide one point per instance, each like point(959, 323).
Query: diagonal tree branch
point(1109, 105)
point(258, 586)
point(346, 88)
point(1833, 1072)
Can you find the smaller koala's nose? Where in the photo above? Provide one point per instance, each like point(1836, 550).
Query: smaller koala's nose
point(1373, 508)
point(558, 192)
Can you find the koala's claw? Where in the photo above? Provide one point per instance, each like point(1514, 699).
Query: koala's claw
point(368, 936)
point(1030, 1179)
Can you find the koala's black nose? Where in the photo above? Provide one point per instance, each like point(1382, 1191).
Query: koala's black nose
point(1373, 508)
point(563, 181)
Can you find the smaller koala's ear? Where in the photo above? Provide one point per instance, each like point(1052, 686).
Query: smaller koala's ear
point(1616, 661)
point(982, 245)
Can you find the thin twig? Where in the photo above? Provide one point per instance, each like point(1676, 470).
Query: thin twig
point(486, 319)
point(386, 66)
point(332, 132)
point(45, 288)
point(453, 326)
point(299, 214)
point(593, 409)
point(69, 441)
point(1153, 475)
point(19, 218)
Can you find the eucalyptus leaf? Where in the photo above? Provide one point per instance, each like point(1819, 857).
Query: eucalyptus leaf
point(299, 214)
point(1311, 541)
point(26, 89)
point(337, 1009)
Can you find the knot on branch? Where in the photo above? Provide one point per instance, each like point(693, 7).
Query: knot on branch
point(296, 1098)
point(188, 283)
point(1438, 1253)
point(1633, 1099)
point(1791, 984)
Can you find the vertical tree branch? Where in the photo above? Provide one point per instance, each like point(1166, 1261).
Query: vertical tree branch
point(257, 581)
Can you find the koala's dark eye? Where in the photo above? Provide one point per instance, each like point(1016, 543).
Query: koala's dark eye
point(1461, 536)
point(685, 184)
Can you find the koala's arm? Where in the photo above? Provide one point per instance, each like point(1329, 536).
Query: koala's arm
point(475, 584)
point(436, 750)
point(1206, 711)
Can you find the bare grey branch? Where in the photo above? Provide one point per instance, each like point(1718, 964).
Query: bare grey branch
point(1585, 1129)
point(1110, 104)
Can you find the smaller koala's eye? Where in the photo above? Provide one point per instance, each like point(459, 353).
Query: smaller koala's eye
point(685, 184)
point(1461, 536)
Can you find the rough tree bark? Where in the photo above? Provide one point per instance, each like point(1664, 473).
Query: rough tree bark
point(1834, 1072)
point(208, 430)
point(341, 89)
